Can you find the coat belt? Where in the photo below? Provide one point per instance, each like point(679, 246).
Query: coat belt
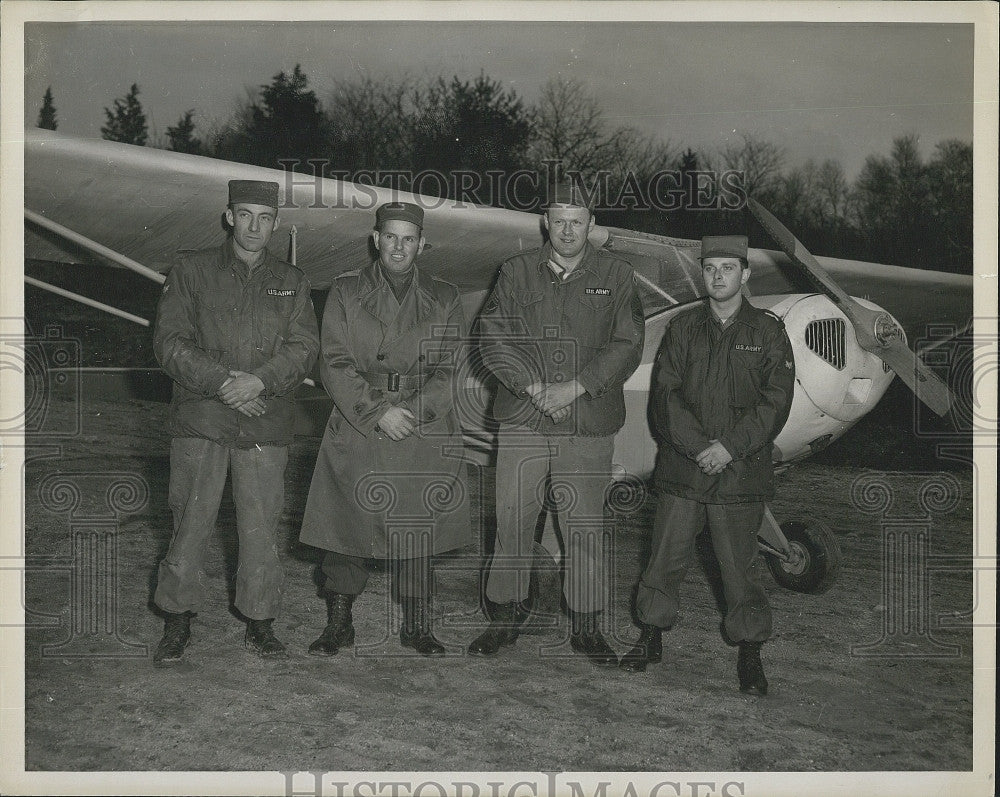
point(392, 383)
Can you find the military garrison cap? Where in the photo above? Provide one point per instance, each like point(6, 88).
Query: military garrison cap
point(569, 193)
point(724, 246)
point(400, 211)
point(254, 192)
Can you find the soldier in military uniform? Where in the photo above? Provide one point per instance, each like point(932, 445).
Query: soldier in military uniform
point(236, 331)
point(562, 331)
point(388, 482)
point(722, 390)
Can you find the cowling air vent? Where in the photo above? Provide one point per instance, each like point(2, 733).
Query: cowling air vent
point(825, 338)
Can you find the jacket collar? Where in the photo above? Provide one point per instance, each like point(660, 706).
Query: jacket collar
point(586, 264)
point(228, 259)
point(747, 314)
point(378, 299)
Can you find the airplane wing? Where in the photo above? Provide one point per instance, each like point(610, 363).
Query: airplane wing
point(150, 204)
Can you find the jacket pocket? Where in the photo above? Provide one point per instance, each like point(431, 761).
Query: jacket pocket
point(214, 314)
point(592, 327)
point(744, 378)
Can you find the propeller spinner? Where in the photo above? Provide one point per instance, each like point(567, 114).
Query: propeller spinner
point(876, 331)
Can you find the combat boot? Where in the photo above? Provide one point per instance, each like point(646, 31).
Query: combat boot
point(503, 629)
point(176, 636)
point(416, 629)
point(750, 670)
point(260, 639)
point(586, 638)
point(339, 631)
point(648, 650)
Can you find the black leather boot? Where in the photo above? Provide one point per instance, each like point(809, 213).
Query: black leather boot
point(586, 638)
point(339, 631)
point(503, 630)
point(260, 639)
point(416, 629)
point(648, 650)
point(176, 636)
point(750, 670)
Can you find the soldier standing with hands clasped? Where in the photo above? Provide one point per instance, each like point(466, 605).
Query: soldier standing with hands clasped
point(722, 390)
point(562, 331)
point(389, 479)
point(236, 331)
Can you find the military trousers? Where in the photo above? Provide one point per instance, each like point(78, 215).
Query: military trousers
point(198, 470)
point(574, 473)
point(349, 574)
point(734, 530)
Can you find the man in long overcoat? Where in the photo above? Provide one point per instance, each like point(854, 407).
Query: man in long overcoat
point(388, 482)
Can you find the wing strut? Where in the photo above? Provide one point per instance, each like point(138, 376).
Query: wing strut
point(93, 246)
point(76, 297)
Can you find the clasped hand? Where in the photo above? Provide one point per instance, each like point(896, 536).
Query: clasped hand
point(713, 460)
point(555, 399)
point(241, 391)
point(398, 422)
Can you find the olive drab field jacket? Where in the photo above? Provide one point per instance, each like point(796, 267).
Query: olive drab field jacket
point(733, 385)
point(537, 328)
point(214, 317)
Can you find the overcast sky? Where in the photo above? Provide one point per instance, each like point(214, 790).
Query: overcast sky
point(820, 90)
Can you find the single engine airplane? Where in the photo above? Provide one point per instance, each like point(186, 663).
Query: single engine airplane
point(137, 207)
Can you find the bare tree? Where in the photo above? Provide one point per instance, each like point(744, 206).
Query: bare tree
point(833, 193)
point(570, 128)
point(760, 162)
point(372, 119)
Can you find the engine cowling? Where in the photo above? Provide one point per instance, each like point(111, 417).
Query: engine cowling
point(836, 382)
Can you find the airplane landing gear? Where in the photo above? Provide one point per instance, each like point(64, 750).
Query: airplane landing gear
point(802, 556)
point(813, 559)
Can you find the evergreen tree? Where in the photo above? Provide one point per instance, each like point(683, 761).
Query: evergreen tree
point(182, 137)
point(47, 115)
point(473, 126)
point(127, 122)
point(949, 176)
point(287, 122)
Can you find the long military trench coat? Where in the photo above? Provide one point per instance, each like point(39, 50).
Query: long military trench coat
point(371, 496)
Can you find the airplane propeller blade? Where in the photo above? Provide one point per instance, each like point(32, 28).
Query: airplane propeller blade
point(876, 331)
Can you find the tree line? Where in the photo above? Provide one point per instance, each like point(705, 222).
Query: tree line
point(901, 208)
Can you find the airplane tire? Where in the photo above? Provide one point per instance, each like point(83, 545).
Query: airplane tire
point(816, 563)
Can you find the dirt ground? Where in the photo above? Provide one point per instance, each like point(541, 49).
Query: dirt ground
point(536, 707)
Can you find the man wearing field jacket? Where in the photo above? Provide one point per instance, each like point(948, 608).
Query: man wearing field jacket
point(722, 390)
point(236, 331)
point(562, 331)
